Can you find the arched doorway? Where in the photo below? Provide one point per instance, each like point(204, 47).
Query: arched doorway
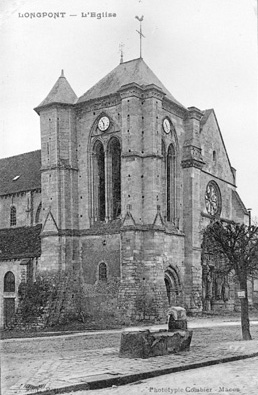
point(173, 286)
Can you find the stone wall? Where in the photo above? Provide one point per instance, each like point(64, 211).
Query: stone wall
point(21, 269)
point(26, 204)
point(100, 248)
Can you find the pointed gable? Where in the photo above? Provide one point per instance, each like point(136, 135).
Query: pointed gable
point(214, 151)
point(134, 71)
point(50, 223)
point(61, 92)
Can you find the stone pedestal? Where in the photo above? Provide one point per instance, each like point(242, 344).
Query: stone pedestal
point(177, 318)
point(146, 344)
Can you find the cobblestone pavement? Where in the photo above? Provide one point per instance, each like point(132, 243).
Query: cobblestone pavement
point(239, 378)
point(29, 366)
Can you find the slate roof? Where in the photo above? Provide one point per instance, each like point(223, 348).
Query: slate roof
point(22, 242)
point(61, 92)
point(20, 173)
point(136, 71)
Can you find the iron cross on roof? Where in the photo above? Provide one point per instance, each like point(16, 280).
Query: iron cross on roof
point(140, 33)
point(121, 50)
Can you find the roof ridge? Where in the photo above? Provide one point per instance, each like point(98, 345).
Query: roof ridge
point(133, 71)
point(24, 153)
point(132, 60)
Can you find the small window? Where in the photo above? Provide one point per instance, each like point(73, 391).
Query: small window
point(38, 214)
point(214, 156)
point(13, 216)
point(102, 272)
point(9, 282)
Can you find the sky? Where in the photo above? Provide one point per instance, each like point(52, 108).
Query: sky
point(204, 52)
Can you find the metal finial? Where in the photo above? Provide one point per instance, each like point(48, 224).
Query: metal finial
point(140, 33)
point(121, 46)
point(62, 73)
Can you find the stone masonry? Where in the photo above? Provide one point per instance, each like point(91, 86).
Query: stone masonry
point(124, 175)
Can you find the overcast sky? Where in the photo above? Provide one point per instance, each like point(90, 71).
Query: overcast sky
point(204, 52)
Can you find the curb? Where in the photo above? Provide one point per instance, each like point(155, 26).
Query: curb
point(127, 379)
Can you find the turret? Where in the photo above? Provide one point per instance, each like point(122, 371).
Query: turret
point(59, 171)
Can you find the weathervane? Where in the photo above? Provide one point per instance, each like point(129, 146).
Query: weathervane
point(121, 46)
point(140, 33)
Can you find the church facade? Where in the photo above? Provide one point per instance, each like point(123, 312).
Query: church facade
point(124, 183)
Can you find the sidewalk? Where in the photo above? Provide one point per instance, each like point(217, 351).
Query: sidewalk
point(100, 368)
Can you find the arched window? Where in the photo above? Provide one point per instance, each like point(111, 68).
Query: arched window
point(114, 169)
point(13, 216)
point(38, 214)
point(171, 184)
point(102, 271)
point(9, 282)
point(163, 178)
point(99, 181)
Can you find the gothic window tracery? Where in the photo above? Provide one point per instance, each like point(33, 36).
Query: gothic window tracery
point(213, 199)
point(13, 218)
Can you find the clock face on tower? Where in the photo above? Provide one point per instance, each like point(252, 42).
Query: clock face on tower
point(103, 124)
point(166, 125)
point(212, 199)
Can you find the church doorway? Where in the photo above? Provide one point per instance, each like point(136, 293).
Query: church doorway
point(9, 310)
point(173, 286)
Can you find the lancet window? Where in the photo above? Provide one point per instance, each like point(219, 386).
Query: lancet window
point(107, 180)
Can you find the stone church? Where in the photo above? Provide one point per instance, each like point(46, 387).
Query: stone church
point(124, 183)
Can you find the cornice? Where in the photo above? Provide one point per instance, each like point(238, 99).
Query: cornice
point(61, 232)
point(216, 217)
point(98, 103)
point(174, 108)
point(194, 113)
point(140, 155)
point(51, 105)
point(59, 167)
point(6, 195)
point(218, 178)
point(186, 163)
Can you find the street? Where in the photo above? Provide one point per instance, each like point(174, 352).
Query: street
point(72, 360)
point(238, 377)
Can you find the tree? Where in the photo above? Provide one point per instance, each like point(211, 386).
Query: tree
point(238, 244)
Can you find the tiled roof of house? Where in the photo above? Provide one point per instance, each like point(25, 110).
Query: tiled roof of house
point(20, 173)
point(18, 243)
point(61, 92)
point(133, 71)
